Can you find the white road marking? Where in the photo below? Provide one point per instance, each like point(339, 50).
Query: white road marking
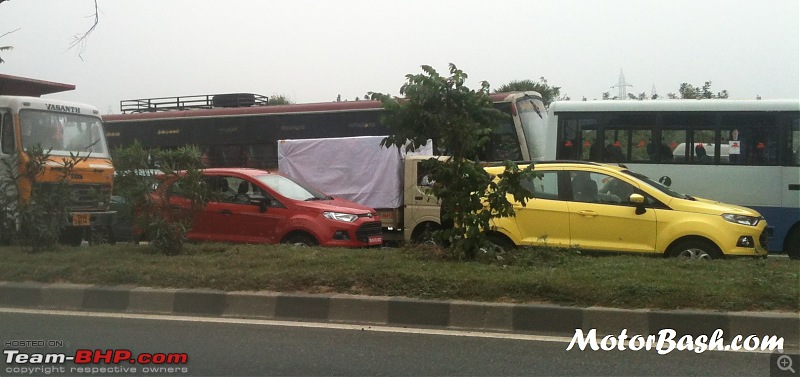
point(267, 322)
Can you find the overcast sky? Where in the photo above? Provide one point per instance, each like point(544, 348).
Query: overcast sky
point(312, 51)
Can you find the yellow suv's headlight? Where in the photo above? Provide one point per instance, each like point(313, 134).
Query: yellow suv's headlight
point(741, 219)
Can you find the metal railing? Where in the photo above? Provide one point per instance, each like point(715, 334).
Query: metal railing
point(208, 101)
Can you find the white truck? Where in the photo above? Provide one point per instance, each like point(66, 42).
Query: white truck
point(361, 170)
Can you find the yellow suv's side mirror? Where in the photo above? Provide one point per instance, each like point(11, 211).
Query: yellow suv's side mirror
point(636, 199)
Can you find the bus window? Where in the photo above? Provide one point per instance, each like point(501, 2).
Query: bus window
point(504, 143)
point(643, 146)
point(762, 146)
point(657, 147)
point(7, 134)
point(627, 145)
point(263, 156)
point(591, 147)
point(731, 140)
point(569, 143)
point(578, 140)
point(758, 136)
point(616, 145)
point(703, 147)
point(627, 135)
point(675, 140)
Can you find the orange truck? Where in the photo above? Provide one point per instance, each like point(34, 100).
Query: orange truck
point(64, 130)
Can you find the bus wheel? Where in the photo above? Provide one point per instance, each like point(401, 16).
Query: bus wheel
point(301, 240)
point(793, 244)
point(695, 249)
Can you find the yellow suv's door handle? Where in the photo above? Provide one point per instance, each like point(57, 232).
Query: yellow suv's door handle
point(587, 213)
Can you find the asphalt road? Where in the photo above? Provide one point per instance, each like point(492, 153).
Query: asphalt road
point(248, 347)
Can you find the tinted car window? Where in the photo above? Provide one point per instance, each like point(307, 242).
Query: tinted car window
point(544, 185)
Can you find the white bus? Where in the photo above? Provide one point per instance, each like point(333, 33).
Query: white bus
point(745, 152)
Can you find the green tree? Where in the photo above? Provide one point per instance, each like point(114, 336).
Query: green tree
point(279, 100)
point(461, 121)
point(32, 212)
point(164, 225)
point(549, 93)
point(689, 91)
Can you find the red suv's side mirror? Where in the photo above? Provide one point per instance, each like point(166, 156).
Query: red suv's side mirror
point(260, 201)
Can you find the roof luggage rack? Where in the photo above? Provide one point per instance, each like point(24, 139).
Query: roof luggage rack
point(208, 101)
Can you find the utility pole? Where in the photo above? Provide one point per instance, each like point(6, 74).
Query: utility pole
point(621, 86)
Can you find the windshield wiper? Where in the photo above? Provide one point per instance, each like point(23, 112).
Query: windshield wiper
point(314, 198)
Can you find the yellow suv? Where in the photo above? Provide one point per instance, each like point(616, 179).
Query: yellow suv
point(595, 206)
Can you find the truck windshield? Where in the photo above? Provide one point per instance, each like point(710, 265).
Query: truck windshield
point(62, 134)
point(533, 117)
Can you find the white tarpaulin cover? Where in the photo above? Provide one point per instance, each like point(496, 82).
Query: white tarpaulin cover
point(353, 168)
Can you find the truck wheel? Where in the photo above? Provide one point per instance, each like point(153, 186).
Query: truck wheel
point(71, 236)
point(694, 249)
point(423, 235)
point(301, 239)
point(102, 236)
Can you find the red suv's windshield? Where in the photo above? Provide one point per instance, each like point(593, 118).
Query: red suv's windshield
point(291, 189)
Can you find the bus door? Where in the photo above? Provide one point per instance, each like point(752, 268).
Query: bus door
point(7, 137)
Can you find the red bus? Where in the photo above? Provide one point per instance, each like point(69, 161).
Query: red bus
point(242, 130)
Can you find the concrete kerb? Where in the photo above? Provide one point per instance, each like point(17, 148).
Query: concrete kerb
point(398, 311)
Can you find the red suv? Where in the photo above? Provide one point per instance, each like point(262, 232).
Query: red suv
point(256, 206)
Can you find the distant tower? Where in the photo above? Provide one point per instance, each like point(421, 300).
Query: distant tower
point(621, 86)
point(653, 92)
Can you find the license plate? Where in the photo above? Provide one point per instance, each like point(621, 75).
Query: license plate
point(374, 240)
point(80, 219)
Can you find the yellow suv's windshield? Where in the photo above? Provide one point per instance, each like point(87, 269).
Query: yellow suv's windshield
point(657, 186)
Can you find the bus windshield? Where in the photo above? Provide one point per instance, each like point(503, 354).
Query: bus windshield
point(532, 115)
point(62, 134)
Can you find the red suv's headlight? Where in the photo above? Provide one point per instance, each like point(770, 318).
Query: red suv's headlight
point(346, 217)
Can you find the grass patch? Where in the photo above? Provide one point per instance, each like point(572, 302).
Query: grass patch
point(530, 275)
